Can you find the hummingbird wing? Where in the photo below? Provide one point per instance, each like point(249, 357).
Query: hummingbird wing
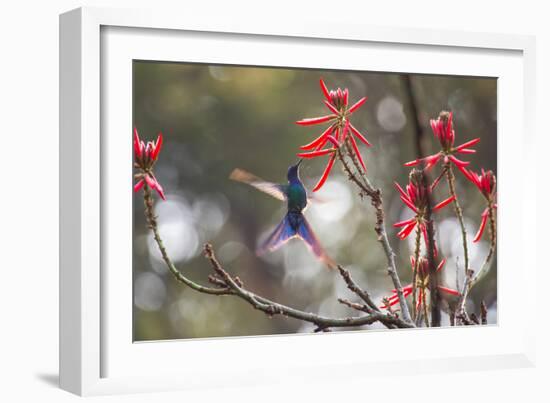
point(313, 197)
point(275, 190)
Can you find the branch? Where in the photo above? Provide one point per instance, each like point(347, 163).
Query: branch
point(471, 278)
point(363, 294)
point(354, 305)
point(274, 308)
point(152, 222)
point(351, 154)
point(493, 234)
point(465, 319)
point(473, 319)
point(483, 313)
point(415, 268)
point(434, 280)
point(375, 195)
point(460, 309)
point(228, 285)
point(458, 211)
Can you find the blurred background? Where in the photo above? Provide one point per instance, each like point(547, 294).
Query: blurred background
point(216, 118)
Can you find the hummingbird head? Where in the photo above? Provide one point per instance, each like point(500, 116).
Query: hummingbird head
point(293, 171)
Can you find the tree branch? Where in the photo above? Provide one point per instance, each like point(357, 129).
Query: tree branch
point(435, 298)
point(366, 189)
point(493, 239)
point(152, 222)
point(415, 268)
point(273, 308)
point(483, 313)
point(458, 211)
point(229, 285)
point(363, 294)
point(471, 277)
point(354, 305)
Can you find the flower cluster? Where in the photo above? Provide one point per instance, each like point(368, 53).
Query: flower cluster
point(422, 284)
point(339, 131)
point(145, 156)
point(444, 132)
point(486, 182)
point(416, 197)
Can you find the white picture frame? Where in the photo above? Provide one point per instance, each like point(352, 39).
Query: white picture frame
point(96, 354)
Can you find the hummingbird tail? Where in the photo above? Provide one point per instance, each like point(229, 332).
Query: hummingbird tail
point(295, 225)
point(280, 235)
point(305, 232)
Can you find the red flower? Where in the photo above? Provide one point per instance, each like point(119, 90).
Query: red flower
point(443, 131)
point(145, 156)
point(486, 182)
point(422, 283)
point(337, 101)
point(416, 197)
point(487, 185)
point(484, 217)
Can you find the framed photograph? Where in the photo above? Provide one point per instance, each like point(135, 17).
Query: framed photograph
point(246, 202)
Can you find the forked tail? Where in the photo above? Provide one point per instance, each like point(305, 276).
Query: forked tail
point(295, 225)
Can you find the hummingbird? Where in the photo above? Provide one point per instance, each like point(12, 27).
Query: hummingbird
point(294, 223)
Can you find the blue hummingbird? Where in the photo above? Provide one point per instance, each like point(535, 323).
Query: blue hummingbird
point(294, 223)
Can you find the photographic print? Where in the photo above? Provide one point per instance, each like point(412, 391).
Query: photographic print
point(282, 200)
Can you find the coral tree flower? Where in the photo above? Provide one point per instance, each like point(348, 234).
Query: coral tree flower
point(339, 131)
point(145, 156)
point(422, 283)
point(444, 132)
point(486, 182)
point(416, 197)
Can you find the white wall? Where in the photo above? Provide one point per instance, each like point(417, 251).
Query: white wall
point(29, 249)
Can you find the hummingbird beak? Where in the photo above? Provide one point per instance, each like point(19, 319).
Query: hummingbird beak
point(299, 162)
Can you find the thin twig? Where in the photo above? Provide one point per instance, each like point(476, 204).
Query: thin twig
point(425, 305)
point(152, 222)
point(419, 316)
point(438, 179)
point(465, 319)
point(434, 280)
point(351, 154)
point(474, 318)
point(493, 246)
point(471, 278)
point(460, 310)
point(363, 308)
point(375, 195)
point(416, 262)
point(354, 305)
point(457, 268)
point(483, 312)
point(361, 293)
point(458, 211)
